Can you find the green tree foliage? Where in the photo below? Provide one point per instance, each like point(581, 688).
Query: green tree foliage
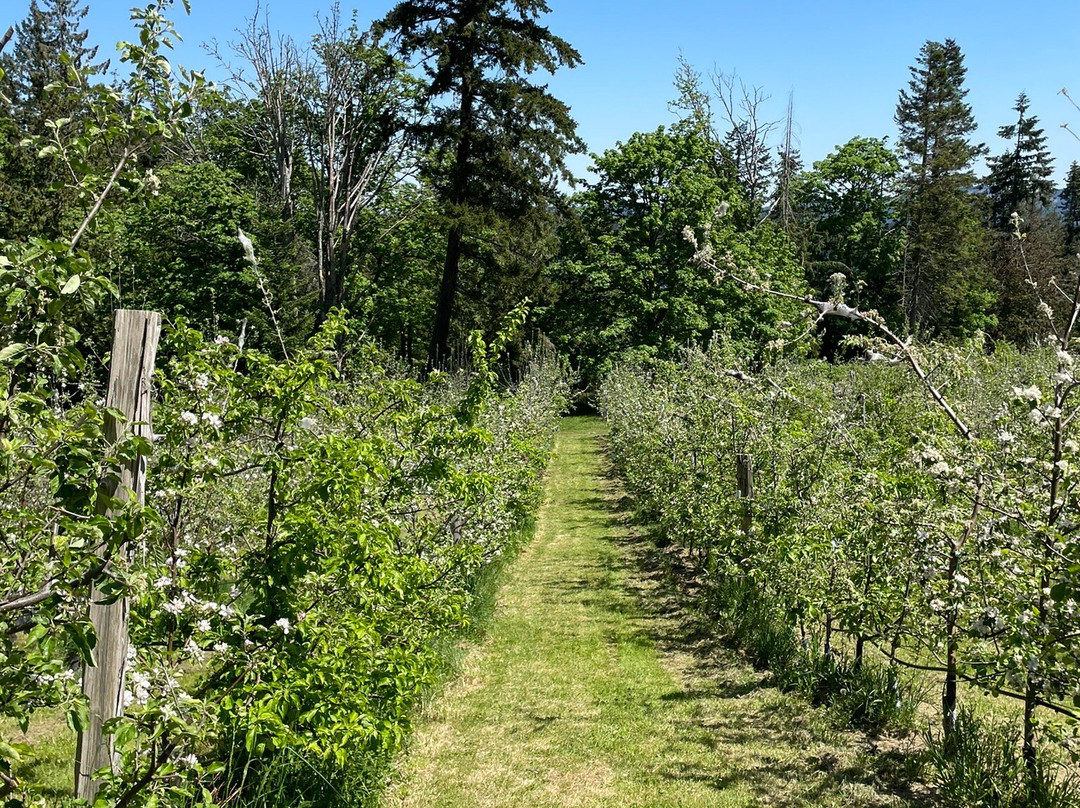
point(1019, 180)
point(398, 270)
point(628, 281)
point(178, 253)
point(1023, 260)
point(1070, 207)
point(847, 205)
point(1021, 195)
point(946, 289)
point(48, 44)
point(496, 140)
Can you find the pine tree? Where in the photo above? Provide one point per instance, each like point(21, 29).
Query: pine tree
point(1070, 208)
point(497, 140)
point(1019, 179)
point(945, 288)
point(48, 44)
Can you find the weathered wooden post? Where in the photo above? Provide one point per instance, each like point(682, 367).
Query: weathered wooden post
point(744, 473)
point(135, 341)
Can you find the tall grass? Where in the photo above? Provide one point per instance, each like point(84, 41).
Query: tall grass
point(870, 696)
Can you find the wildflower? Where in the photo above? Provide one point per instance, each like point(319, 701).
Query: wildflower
point(221, 339)
point(213, 419)
point(189, 418)
point(307, 424)
point(284, 624)
point(202, 381)
point(1005, 436)
point(174, 606)
point(203, 625)
point(162, 582)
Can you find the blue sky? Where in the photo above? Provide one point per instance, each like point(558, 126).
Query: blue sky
point(845, 62)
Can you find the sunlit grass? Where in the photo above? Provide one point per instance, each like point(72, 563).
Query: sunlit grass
point(50, 771)
point(594, 687)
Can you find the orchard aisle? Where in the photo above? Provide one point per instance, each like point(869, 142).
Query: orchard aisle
point(591, 689)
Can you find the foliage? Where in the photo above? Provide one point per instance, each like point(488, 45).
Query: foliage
point(982, 767)
point(848, 205)
point(495, 140)
point(317, 534)
point(944, 293)
point(177, 252)
point(1019, 180)
point(49, 43)
point(627, 283)
point(875, 522)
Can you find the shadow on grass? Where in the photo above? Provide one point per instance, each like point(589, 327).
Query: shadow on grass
point(665, 604)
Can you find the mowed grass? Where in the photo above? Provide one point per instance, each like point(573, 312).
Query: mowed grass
point(50, 772)
point(598, 687)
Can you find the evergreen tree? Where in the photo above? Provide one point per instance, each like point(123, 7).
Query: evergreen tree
point(497, 140)
point(48, 44)
point(1019, 179)
point(1070, 207)
point(944, 283)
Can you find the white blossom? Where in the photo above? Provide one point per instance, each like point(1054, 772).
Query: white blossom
point(940, 469)
point(1032, 393)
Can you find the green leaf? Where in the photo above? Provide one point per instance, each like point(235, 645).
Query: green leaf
point(11, 351)
point(78, 717)
point(72, 285)
point(84, 640)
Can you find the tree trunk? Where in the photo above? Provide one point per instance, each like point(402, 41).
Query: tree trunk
point(948, 693)
point(444, 309)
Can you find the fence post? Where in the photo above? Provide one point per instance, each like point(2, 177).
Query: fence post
point(135, 340)
point(744, 473)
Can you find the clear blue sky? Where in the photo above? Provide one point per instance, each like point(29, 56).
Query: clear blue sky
point(845, 62)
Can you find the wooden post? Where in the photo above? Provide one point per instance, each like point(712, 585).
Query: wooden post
point(135, 340)
point(744, 473)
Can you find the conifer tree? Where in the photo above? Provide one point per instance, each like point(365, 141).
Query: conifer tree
point(945, 291)
point(48, 43)
point(497, 140)
point(1019, 179)
point(1070, 208)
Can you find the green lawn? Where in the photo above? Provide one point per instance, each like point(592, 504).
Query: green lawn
point(596, 686)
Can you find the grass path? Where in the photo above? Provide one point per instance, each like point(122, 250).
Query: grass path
point(595, 687)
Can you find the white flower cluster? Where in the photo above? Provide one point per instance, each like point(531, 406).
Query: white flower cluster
point(988, 623)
